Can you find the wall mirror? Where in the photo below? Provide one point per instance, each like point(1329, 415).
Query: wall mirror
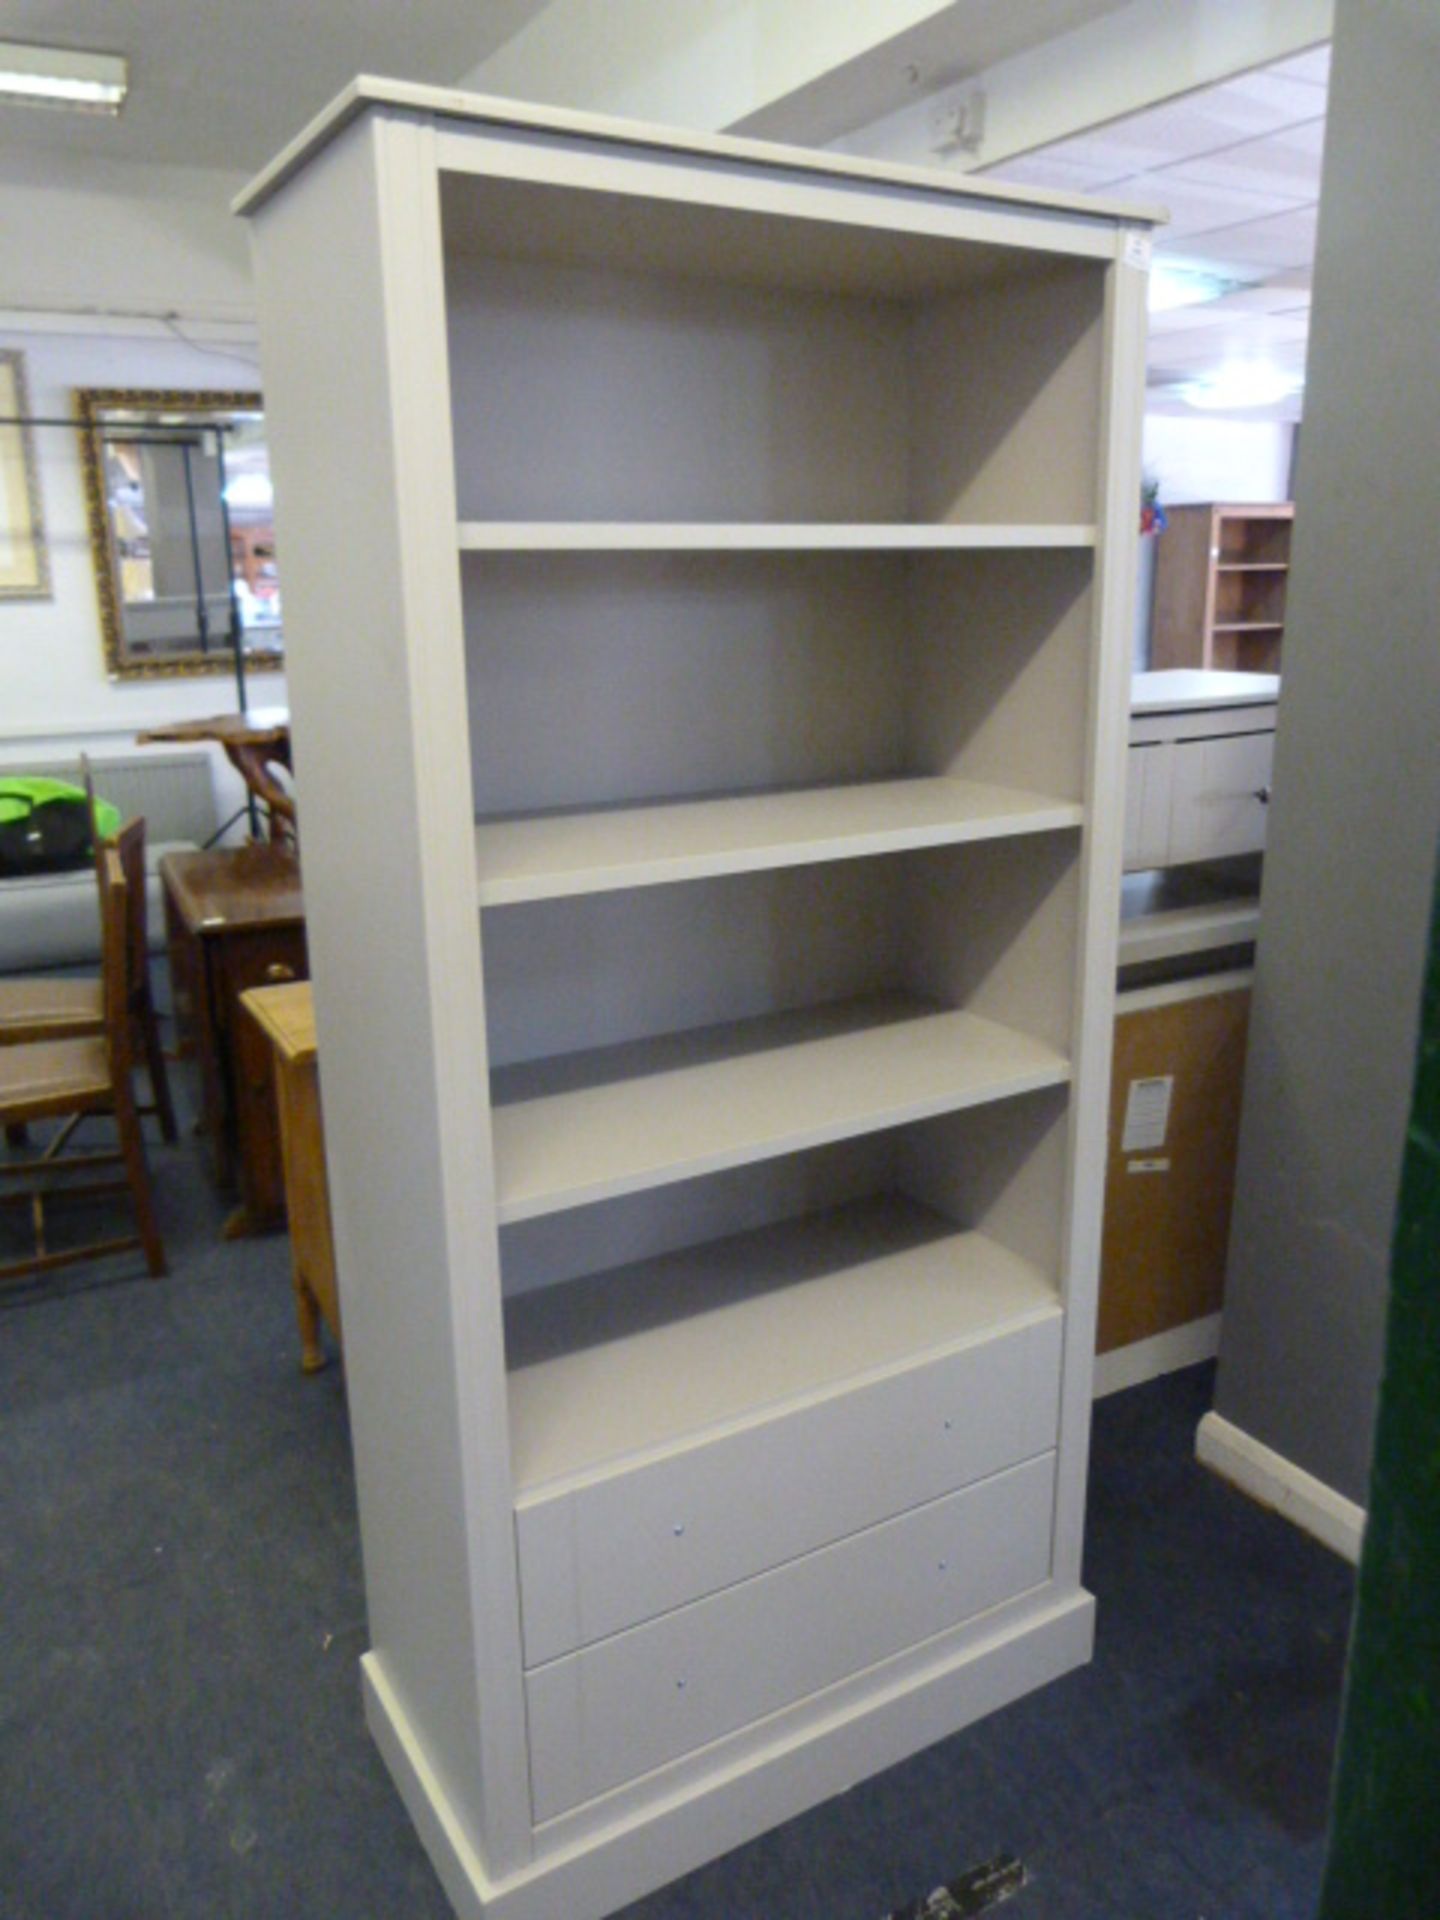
point(182, 531)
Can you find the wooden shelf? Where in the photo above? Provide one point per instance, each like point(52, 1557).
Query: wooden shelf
point(1221, 575)
point(592, 1126)
point(630, 1362)
point(652, 536)
point(545, 856)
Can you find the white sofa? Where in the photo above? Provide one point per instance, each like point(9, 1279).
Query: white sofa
point(53, 919)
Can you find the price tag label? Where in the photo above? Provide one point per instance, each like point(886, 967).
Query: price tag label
point(1147, 1114)
point(1137, 251)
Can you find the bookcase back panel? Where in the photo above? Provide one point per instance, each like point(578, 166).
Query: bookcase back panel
point(597, 1239)
point(613, 677)
point(997, 1169)
point(589, 394)
point(991, 927)
point(563, 975)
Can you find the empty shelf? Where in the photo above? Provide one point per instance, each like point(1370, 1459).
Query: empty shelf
point(1187, 930)
point(544, 856)
point(631, 1361)
point(548, 536)
point(592, 1126)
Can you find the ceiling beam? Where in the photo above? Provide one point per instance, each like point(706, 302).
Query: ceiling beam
point(802, 70)
point(1133, 57)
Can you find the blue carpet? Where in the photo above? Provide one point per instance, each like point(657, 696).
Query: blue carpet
point(181, 1613)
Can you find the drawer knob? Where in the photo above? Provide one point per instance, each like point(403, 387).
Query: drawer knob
point(944, 1566)
point(278, 971)
point(1262, 794)
point(679, 1528)
point(679, 1686)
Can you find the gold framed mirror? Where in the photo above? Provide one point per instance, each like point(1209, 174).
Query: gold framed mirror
point(177, 489)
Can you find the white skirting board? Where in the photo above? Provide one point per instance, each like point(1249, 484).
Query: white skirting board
point(622, 1861)
point(1162, 1353)
point(1276, 1482)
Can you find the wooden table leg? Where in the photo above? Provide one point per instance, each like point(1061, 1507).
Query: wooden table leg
point(307, 1316)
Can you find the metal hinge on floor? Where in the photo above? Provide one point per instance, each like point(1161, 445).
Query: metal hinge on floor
point(974, 1892)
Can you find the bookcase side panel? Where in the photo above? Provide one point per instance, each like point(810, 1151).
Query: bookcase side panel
point(1005, 399)
point(1107, 731)
point(358, 418)
point(999, 667)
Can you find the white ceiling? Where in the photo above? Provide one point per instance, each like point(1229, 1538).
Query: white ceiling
point(217, 85)
point(224, 86)
point(1238, 167)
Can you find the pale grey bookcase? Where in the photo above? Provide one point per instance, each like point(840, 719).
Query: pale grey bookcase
point(708, 576)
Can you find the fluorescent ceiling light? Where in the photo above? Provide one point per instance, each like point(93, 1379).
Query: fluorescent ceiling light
point(1239, 384)
point(1172, 287)
point(60, 77)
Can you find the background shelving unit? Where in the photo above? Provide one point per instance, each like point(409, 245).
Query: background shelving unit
point(1220, 578)
point(722, 623)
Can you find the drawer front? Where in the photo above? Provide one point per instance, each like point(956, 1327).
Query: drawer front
point(599, 1558)
point(1216, 809)
point(611, 1712)
point(1147, 806)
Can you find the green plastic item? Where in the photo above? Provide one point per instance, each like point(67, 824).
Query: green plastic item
point(21, 793)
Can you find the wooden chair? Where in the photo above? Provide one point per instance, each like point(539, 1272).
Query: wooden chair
point(70, 1078)
point(36, 1009)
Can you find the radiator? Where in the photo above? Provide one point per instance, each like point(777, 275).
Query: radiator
point(174, 792)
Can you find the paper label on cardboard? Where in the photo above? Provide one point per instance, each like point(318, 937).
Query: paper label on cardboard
point(1147, 1114)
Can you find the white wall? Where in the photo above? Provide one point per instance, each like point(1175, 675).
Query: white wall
point(86, 245)
point(53, 682)
point(1199, 458)
point(78, 235)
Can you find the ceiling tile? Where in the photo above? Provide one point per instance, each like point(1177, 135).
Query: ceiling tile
point(1286, 292)
point(1196, 208)
point(1198, 123)
point(1234, 338)
point(1189, 319)
point(1283, 98)
point(1048, 169)
point(1283, 162)
point(1282, 240)
point(1238, 166)
point(1313, 66)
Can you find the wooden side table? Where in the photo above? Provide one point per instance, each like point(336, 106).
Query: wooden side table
point(251, 742)
point(286, 1017)
point(235, 919)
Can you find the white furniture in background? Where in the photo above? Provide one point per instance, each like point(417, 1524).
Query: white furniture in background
point(745, 537)
point(1198, 781)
